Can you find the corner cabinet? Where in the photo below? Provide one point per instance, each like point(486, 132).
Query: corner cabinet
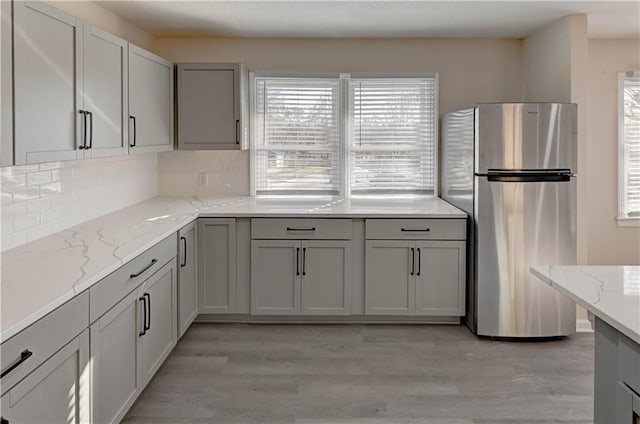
point(216, 265)
point(211, 106)
point(150, 102)
point(415, 267)
point(299, 267)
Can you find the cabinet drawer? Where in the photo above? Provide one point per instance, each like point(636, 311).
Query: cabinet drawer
point(43, 338)
point(115, 286)
point(416, 229)
point(301, 228)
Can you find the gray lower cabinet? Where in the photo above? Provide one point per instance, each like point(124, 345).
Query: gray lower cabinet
point(627, 405)
point(293, 277)
point(415, 278)
point(187, 273)
point(56, 391)
point(211, 106)
point(150, 102)
point(6, 82)
point(130, 342)
point(116, 380)
point(216, 265)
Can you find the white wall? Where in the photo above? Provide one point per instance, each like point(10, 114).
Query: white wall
point(608, 243)
point(471, 71)
point(38, 200)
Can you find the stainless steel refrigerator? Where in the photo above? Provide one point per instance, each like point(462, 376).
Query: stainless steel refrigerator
point(512, 168)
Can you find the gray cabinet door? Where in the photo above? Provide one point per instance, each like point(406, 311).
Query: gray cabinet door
point(150, 102)
point(6, 82)
point(187, 282)
point(114, 349)
point(56, 392)
point(440, 278)
point(326, 277)
point(275, 277)
point(389, 279)
point(627, 405)
point(209, 106)
point(105, 92)
point(47, 83)
point(216, 265)
point(160, 294)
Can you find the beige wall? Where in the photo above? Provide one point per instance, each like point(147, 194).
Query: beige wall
point(608, 243)
point(105, 20)
point(471, 71)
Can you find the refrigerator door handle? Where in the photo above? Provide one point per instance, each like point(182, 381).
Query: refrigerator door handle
point(528, 178)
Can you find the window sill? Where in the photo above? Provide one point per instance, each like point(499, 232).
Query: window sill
point(624, 221)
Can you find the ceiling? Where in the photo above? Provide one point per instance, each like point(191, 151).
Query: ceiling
point(373, 19)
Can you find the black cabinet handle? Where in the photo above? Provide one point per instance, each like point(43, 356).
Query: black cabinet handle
point(144, 316)
point(304, 261)
point(90, 145)
point(84, 129)
point(135, 133)
point(139, 273)
point(419, 261)
point(3, 420)
point(297, 261)
point(237, 131)
point(184, 263)
point(301, 229)
point(24, 355)
point(419, 230)
point(413, 261)
point(148, 323)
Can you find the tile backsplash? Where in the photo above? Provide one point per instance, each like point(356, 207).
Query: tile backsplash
point(227, 173)
point(38, 200)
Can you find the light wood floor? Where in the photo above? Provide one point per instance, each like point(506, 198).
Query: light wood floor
point(225, 373)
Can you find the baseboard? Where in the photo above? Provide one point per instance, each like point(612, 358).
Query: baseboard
point(350, 319)
point(583, 326)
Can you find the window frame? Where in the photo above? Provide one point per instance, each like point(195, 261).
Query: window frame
point(623, 220)
point(344, 125)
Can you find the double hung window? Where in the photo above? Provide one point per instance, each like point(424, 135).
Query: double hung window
point(344, 134)
point(629, 145)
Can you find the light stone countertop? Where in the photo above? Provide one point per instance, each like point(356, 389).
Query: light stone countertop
point(40, 276)
point(612, 293)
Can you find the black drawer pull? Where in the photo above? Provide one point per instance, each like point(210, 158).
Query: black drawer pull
point(139, 273)
point(416, 230)
point(3, 420)
point(301, 229)
point(24, 355)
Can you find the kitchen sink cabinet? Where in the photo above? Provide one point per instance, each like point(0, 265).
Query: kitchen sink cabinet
point(216, 265)
point(211, 106)
point(55, 392)
point(187, 273)
point(423, 274)
point(150, 102)
point(294, 277)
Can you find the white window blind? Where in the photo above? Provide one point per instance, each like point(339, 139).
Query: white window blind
point(630, 144)
point(297, 133)
point(392, 135)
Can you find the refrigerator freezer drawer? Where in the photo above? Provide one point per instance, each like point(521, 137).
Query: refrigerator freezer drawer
point(519, 224)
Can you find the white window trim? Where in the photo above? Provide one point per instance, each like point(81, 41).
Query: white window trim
point(622, 219)
point(345, 150)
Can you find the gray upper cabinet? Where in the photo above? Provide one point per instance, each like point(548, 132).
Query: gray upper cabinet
point(47, 83)
point(150, 102)
point(212, 106)
point(105, 93)
point(6, 82)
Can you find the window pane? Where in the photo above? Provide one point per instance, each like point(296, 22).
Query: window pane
point(631, 144)
point(392, 135)
point(296, 135)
